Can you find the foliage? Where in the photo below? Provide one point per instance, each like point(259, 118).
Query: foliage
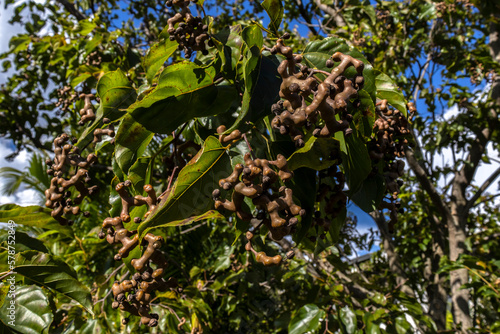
point(154, 121)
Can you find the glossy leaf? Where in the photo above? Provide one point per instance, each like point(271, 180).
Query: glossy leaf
point(130, 142)
point(274, 9)
point(252, 37)
point(140, 174)
point(157, 55)
point(315, 154)
point(348, 318)
point(307, 319)
point(387, 90)
point(34, 216)
point(191, 194)
point(229, 44)
point(370, 194)
point(355, 161)
point(182, 88)
point(51, 272)
point(116, 93)
point(33, 314)
point(265, 93)
point(364, 116)
point(24, 242)
point(211, 214)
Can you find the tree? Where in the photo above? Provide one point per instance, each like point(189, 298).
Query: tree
point(165, 107)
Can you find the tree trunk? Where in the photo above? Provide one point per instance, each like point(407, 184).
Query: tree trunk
point(459, 297)
point(438, 296)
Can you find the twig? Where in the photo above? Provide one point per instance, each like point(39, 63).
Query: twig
point(480, 191)
point(248, 145)
point(72, 9)
point(171, 178)
point(193, 228)
point(112, 274)
point(170, 309)
point(7, 274)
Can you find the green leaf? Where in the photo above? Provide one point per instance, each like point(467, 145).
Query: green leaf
point(306, 319)
point(337, 224)
point(318, 52)
point(157, 55)
point(315, 154)
point(25, 242)
point(264, 94)
point(253, 39)
point(252, 36)
point(84, 27)
point(274, 9)
point(348, 318)
point(364, 116)
point(427, 11)
point(130, 142)
point(19, 43)
point(370, 194)
point(184, 91)
point(52, 272)
point(191, 194)
point(229, 43)
point(211, 214)
point(34, 216)
point(387, 90)
point(355, 161)
point(140, 174)
point(116, 94)
point(33, 314)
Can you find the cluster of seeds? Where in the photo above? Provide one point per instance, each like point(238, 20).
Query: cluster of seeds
point(392, 130)
point(93, 59)
point(257, 180)
point(191, 33)
point(87, 112)
point(134, 296)
point(66, 98)
point(58, 196)
point(329, 97)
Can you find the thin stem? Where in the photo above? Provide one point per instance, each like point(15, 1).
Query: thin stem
point(248, 145)
point(112, 274)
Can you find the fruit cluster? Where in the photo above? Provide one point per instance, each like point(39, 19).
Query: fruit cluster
point(257, 180)
point(66, 98)
point(134, 296)
point(329, 97)
point(58, 196)
point(391, 133)
point(87, 112)
point(191, 33)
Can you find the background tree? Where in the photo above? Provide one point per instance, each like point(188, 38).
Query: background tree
point(446, 239)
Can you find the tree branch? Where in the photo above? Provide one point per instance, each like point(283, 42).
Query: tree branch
point(306, 17)
point(72, 9)
point(333, 12)
point(427, 185)
point(483, 187)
